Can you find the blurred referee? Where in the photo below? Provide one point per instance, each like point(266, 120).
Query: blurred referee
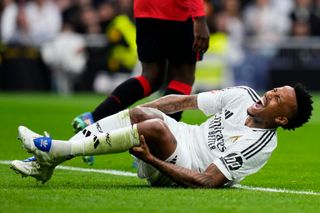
point(171, 36)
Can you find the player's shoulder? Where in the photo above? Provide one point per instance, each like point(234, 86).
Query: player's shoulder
point(237, 93)
point(247, 91)
point(259, 143)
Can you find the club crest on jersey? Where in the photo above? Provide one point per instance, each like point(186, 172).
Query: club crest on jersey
point(215, 136)
point(233, 161)
point(233, 139)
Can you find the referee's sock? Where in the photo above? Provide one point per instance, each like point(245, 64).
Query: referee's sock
point(178, 87)
point(123, 96)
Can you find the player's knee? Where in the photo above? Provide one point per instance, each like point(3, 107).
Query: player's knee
point(139, 114)
point(158, 127)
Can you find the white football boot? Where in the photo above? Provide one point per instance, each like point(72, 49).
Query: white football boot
point(36, 144)
point(42, 166)
point(30, 167)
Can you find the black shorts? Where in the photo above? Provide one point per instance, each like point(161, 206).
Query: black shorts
point(158, 40)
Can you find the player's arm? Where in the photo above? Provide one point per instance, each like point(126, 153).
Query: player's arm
point(212, 177)
point(174, 103)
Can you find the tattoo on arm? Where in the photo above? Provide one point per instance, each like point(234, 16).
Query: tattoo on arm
point(174, 103)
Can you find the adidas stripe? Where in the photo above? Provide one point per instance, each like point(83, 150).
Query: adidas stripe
point(258, 145)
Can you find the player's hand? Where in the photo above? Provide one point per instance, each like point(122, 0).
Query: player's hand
point(201, 35)
point(142, 152)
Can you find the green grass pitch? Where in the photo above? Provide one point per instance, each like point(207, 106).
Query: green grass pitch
point(293, 166)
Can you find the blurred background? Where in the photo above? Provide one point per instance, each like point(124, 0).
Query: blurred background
point(68, 46)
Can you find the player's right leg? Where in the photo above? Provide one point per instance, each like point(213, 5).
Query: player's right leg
point(49, 153)
point(105, 139)
point(30, 166)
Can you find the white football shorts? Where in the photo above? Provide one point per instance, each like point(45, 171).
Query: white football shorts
point(182, 156)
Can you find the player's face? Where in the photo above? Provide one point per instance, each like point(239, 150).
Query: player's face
point(275, 107)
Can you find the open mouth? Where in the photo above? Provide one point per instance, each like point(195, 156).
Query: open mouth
point(260, 103)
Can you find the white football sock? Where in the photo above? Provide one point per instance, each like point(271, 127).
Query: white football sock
point(112, 122)
point(115, 141)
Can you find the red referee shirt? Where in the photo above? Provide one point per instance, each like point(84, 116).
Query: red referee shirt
point(175, 10)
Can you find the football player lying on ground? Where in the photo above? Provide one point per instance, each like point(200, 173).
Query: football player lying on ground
point(236, 141)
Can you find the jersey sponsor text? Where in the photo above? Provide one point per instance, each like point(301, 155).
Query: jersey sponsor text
point(215, 136)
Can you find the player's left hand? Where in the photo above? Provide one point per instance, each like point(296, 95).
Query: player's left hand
point(201, 35)
point(142, 152)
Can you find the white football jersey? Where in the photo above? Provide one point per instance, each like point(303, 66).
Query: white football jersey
point(225, 140)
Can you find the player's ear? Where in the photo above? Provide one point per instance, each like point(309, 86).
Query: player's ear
point(281, 120)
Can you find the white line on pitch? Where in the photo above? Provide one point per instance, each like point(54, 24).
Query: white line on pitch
point(261, 189)
point(103, 171)
point(130, 174)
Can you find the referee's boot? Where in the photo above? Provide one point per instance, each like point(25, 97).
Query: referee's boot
point(79, 123)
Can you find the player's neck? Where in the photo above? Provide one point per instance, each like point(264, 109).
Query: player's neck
point(254, 122)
